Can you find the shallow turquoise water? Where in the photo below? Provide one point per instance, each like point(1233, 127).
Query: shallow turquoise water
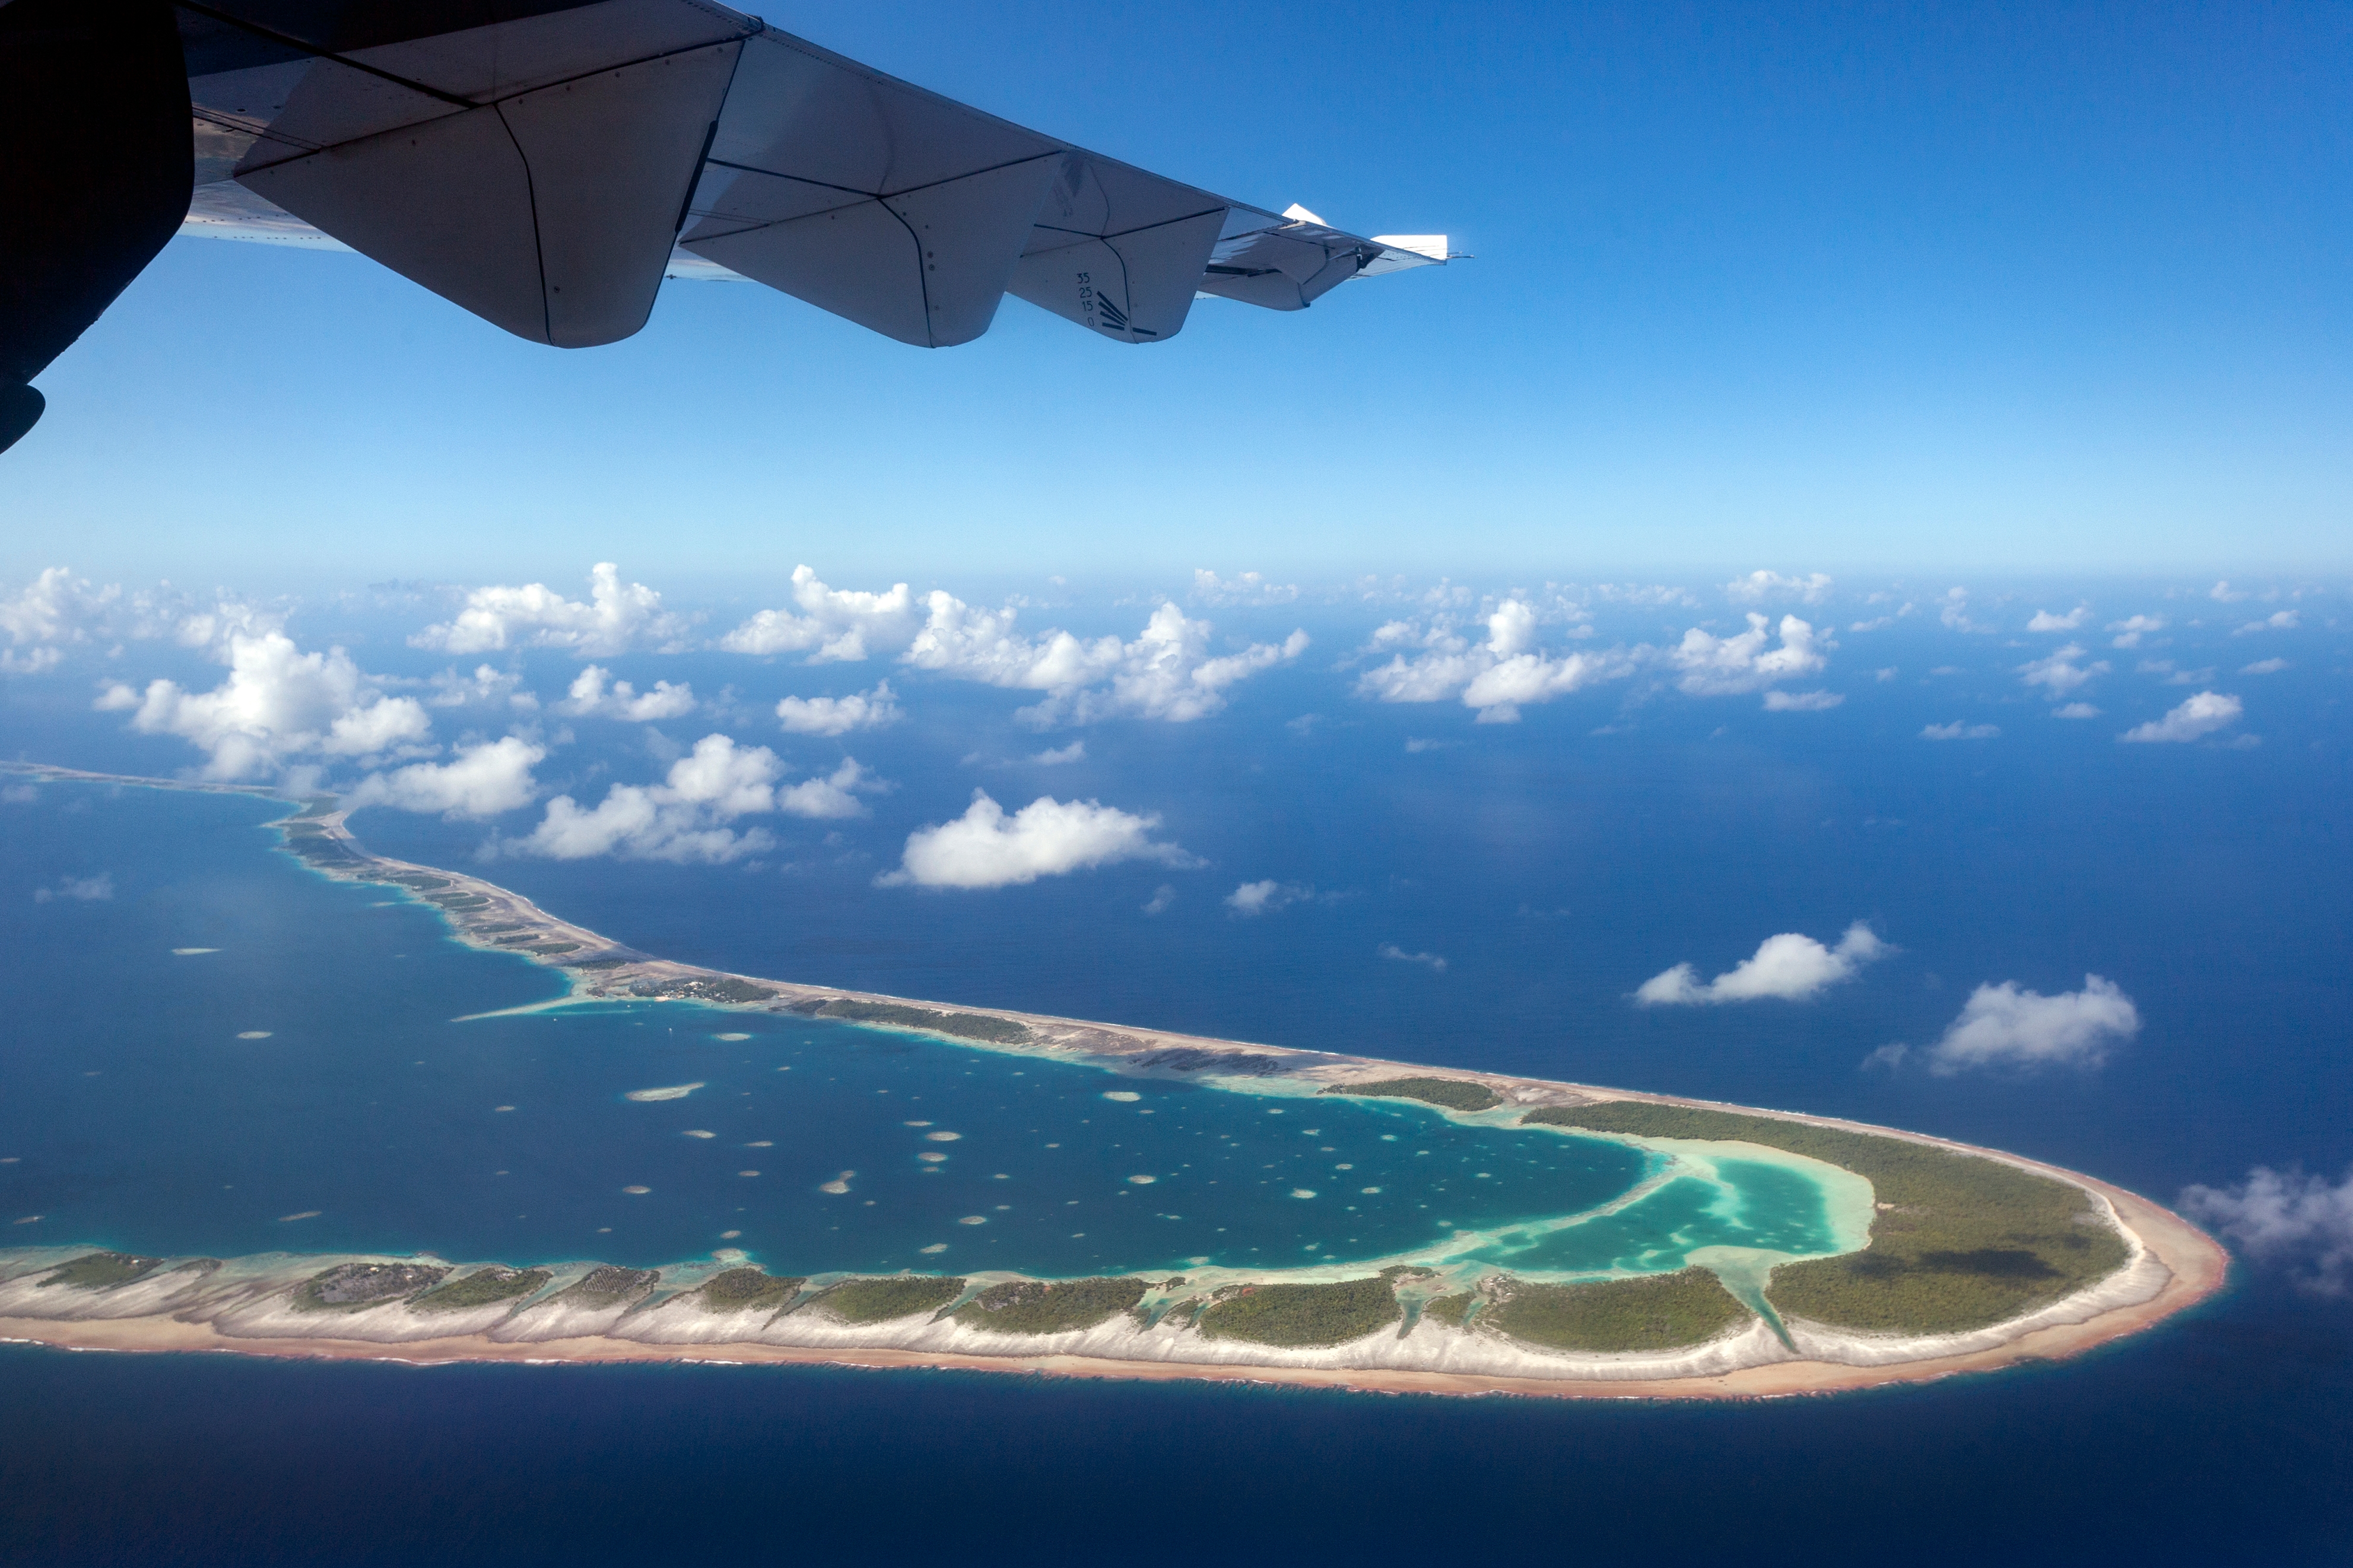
point(367, 1117)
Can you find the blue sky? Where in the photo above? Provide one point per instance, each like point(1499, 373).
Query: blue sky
point(2057, 288)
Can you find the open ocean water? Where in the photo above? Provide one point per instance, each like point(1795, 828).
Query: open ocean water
point(1553, 868)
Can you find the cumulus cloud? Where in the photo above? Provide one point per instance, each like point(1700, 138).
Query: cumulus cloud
point(2285, 1217)
point(840, 715)
point(832, 625)
point(1168, 672)
point(1499, 674)
point(1162, 897)
point(596, 694)
point(2006, 1026)
point(1494, 676)
point(1396, 954)
point(615, 617)
point(87, 890)
point(2201, 715)
point(482, 781)
point(55, 608)
point(1802, 701)
point(2060, 673)
point(486, 688)
point(2264, 666)
point(279, 704)
point(1265, 897)
point(2076, 711)
point(689, 816)
point(1759, 587)
point(2044, 621)
point(834, 795)
point(1715, 666)
point(2279, 621)
point(1790, 967)
point(1953, 609)
point(1249, 589)
point(1047, 837)
point(2130, 630)
point(1055, 757)
point(1958, 731)
point(2223, 592)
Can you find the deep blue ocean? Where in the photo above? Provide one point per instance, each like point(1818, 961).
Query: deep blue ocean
point(1555, 864)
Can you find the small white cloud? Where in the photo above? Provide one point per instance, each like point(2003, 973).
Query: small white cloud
point(833, 624)
point(2223, 592)
point(2201, 715)
point(1802, 701)
point(615, 617)
point(689, 816)
point(1720, 667)
point(840, 715)
point(1790, 966)
point(1953, 609)
point(1249, 589)
point(1265, 897)
point(2264, 666)
point(87, 890)
point(596, 694)
point(1760, 586)
point(1162, 897)
point(2044, 621)
point(832, 797)
point(482, 781)
point(2280, 621)
point(2131, 630)
point(1167, 673)
point(2004, 1026)
point(2285, 1217)
point(1958, 731)
point(2060, 674)
point(1054, 757)
point(1392, 952)
point(486, 688)
point(1047, 837)
point(2076, 711)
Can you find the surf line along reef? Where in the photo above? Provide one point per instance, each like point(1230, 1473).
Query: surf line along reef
point(1749, 1253)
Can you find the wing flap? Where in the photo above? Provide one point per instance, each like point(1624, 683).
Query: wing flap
point(537, 171)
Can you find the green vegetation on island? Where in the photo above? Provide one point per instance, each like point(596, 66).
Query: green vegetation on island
point(483, 1287)
point(100, 1271)
point(897, 1296)
point(1959, 1242)
point(962, 1025)
point(1650, 1312)
point(724, 988)
point(1452, 1310)
point(1303, 1315)
point(748, 1291)
point(349, 1287)
point(607, 1286)
point(1035, 1307)
point(1453, 1093)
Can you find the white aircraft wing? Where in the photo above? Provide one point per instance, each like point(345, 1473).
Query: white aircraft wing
point(547, 172)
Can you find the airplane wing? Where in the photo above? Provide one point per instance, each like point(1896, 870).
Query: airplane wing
point(548, 169)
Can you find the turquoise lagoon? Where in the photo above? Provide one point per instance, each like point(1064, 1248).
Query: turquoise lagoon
point(230, 1054)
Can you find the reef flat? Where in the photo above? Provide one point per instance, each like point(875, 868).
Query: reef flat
point(1929, 1258)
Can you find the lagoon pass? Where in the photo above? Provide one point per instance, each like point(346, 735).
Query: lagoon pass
point(327, 1145)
